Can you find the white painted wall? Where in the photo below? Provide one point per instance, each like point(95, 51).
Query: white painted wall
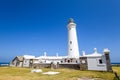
point(49, 61)
point(21, 63)
point(93, 63)
point(73, 50)
point(26, 63)
point(14, 63)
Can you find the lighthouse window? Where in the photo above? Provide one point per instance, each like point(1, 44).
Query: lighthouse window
point(70, 49)
point(69, 28)
point(70, 42)
point(100, 61)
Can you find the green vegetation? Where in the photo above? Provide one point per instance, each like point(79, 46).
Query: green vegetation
point(12, 73)
point(116, 69)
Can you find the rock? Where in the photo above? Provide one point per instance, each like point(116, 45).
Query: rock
point(51, 73)
point(36, 70)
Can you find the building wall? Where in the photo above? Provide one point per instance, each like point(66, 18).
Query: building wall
point(26, 63)
point(70, 61)
point(56, 66)
point(20, 64)
point(73, 50)
point(83, 63)
point(70, 66)
point(41, 65)
point(94, 63)
point(108, 63)
point(50, 60)
point(16, 63)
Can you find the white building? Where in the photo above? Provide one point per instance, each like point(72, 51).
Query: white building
point(27, 60)
point(48, 59)
point(73, 50)
point(23, 61)
point(17, 61)
point(96, 61)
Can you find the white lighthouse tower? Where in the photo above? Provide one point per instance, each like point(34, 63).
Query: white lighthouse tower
point(73, 50)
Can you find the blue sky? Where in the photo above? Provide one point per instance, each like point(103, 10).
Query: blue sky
point(34, 26)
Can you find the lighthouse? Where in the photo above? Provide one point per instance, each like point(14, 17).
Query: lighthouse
point(73, 50)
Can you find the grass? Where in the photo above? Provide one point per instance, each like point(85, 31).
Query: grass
point(13, 73)
point(117, 69)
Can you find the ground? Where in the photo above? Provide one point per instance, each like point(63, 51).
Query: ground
point(12, 73)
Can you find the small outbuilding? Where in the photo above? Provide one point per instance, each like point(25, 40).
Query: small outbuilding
point(24, 61)
point(29, 60)
point(17, 61)
point(96, 61)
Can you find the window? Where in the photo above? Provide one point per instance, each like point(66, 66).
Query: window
point(76, 61)
point(70, 49)
point(100, 61)
point(68, 61)
point(69, 28)
point(65, 60)
point(71, 60)
point(70, 42)
point(31, 61)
